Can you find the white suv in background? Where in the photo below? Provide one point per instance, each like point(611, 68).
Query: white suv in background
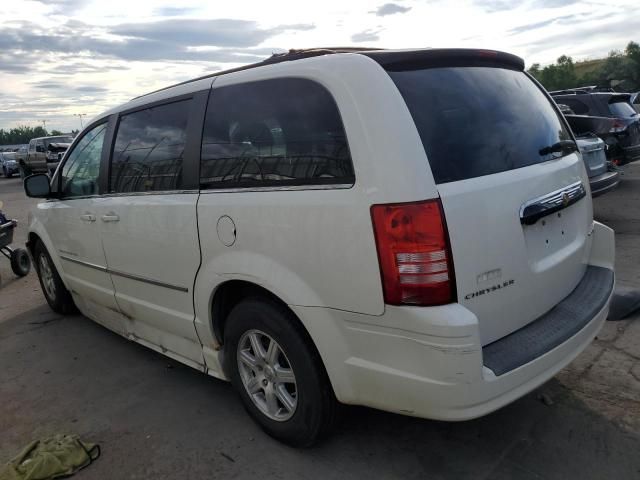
point(406, 230)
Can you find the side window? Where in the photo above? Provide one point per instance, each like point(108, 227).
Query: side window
point(149, 149)
point(79, 175)
point(578, 107)
point(284, 131)
point(32, 146)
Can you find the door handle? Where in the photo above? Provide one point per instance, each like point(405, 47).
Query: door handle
point(88, 217)
point(110, 217)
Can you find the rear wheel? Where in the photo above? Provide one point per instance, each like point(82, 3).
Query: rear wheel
point(20, 262)
point(278, 373)
point(4, 172)
point(56, 294)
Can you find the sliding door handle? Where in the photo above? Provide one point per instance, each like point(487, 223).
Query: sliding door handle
point(110, 217)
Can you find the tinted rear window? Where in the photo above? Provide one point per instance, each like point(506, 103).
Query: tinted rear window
point(476, 121)
point(284, 131)
point(622, 109)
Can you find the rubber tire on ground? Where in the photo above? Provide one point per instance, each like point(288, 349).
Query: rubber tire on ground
point(4, 172)
point(20, 262)
point(63, 302)
point(24, 171)
point(317, 406)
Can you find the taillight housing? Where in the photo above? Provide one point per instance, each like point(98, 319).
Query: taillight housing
point(414, 253)
point(617, 126)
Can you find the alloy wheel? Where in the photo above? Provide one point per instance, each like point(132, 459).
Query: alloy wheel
point(46, 274)
point(267, 375)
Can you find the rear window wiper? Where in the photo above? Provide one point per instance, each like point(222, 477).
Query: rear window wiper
point(563, 146)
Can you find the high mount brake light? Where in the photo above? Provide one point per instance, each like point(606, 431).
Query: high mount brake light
point(414, 253)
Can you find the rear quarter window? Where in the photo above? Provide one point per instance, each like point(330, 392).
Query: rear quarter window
point(279, 132)
point(476, 121)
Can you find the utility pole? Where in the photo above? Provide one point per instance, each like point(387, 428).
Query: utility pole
point(44, 125)
point(80, 115)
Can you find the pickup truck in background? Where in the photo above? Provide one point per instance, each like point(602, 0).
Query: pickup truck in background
point(44, 154)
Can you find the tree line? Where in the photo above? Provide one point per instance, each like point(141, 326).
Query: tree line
point(22, 134)
point(620, 71)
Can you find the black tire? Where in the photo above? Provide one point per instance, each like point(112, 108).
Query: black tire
point(316, 406)
point(56, 294)
point(20, 262)
point(24, 171)
point(4, 172)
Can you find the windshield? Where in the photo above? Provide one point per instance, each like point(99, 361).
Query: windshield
point(622, 109)
point(476, 121)
point(65, 139)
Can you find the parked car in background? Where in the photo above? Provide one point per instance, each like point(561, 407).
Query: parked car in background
point(44, 154)
point(8, 164)
point(603, 176)
point(431, 253)
point(21, 154)
point(623, 139)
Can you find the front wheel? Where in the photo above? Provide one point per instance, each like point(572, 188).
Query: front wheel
point(20, 262)
point(278, 373)
point(56, 294)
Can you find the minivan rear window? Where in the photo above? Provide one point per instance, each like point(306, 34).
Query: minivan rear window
point(476, 121)
point(622, 109)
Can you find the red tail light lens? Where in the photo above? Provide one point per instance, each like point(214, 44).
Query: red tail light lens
point(414, 253)
point(617, 126)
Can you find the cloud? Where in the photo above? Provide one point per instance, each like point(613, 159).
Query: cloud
point(390, 9)
point(572, 20)
point(212, 32)
point(366, 36)
point(91, 89)
point(553, 3)
point(48, 85)
point(148, 45)
point(616, 32)
point(498, 5)
point(67, 7)
point(173, 11)
point(537, 25)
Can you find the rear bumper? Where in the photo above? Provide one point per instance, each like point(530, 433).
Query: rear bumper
point(630, 154)
point(429, 362)
point(604, 183)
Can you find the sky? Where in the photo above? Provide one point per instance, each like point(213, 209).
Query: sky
point(65, 61)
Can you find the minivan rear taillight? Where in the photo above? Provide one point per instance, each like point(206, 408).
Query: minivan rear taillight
point(414, 253)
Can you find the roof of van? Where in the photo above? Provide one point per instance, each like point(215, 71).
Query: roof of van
point(387, 58)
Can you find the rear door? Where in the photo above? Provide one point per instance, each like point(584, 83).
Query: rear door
point(148, 224)
point(500, 154)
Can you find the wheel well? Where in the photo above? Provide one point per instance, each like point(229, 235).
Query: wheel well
point(32, 240)
point(228, 295)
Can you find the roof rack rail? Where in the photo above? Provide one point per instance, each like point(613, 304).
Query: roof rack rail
point(290, 55)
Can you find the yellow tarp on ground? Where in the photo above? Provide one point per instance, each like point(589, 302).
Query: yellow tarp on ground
point(53, 457)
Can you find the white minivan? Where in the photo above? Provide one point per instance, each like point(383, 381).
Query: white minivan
point(407, 230)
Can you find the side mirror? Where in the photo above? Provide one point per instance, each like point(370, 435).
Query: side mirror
point(37, 186)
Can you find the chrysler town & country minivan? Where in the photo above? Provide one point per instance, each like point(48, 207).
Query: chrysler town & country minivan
point(406, 230)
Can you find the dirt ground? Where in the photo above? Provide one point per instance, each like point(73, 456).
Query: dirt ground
point(155, 418)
